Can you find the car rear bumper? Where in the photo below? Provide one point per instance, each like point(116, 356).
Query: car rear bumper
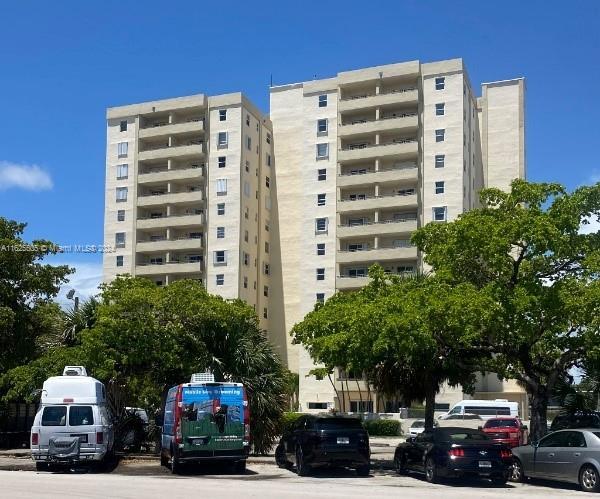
point(455, 469)
point(511, 442)
point(84, 456)
point(228, 455)
point(333, 457)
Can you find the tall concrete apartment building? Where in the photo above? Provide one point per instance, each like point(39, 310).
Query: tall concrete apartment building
point(188, 195)
point(364, 159)
point(286, 211)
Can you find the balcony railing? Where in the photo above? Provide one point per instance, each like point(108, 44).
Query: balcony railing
point(164, 238)
point(405, 244)
point(170, 262)
point(393, 221)
point(165, 168)
point(366, 145)
point(165, 193)
point(407, 192)
point(372, 94)
point(364, 171)
point(165, 123)
point(357, 122)
point(154, 147)
point(169, 216)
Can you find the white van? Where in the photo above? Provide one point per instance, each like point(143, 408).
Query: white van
point(486, 409)
point(73, 423)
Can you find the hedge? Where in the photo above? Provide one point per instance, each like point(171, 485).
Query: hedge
point(289, 418)
point(383, 427)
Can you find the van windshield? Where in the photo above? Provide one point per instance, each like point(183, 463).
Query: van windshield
point(54, 416)
point(81, 415)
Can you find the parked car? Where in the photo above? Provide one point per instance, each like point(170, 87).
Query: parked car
point(418, 426)
point(507, 430)
point(317, 440)
point(565, 455)
point(577, 420)
point(454, 452)
point(485, 408)
point(472, 421)
point(73, 423)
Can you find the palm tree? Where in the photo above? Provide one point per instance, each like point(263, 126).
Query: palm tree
point(77, 319)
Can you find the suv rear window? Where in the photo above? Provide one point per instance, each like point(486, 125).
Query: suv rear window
point(81, 415)
point(335, 423)
point(54, 416)
point(575, 421)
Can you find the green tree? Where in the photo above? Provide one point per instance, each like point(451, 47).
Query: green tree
point(145, 339)
point(26, 286)
point(525, 250)
point(408, 335)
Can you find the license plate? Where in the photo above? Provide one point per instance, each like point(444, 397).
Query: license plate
point(485, 464)
point(343, 440)
point(82, 438)
point(198, 441)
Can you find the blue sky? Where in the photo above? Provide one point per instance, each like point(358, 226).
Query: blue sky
point(62, 63)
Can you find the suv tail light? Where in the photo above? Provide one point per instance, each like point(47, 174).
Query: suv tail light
point(456, 452)
point(178, 407)
point(99, 437)
point(246, 417)
point(505, 453)
point(35, 439)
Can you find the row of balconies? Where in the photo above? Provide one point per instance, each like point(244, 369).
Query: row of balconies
point(355, 275)
point(162, 173)
point(402, 122)
point(401, 148)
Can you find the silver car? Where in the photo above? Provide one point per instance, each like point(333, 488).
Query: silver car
point(565, 455)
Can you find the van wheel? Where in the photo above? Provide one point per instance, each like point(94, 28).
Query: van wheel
point(164, 460)
point(175, 464)
point(42, 467)
point(589, 479)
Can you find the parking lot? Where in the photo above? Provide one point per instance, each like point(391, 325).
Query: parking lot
point(145, 478)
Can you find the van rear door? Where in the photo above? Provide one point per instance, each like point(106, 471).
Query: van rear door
point(84, 422)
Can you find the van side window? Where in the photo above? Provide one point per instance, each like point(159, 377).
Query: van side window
point(54, 416)
point(81, 415)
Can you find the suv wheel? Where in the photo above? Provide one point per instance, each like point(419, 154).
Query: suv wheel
point(589, 479)
point(301, 467)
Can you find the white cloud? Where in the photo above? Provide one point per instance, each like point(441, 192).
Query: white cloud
point(84, 281)
point(590, 228)
point(28, 177)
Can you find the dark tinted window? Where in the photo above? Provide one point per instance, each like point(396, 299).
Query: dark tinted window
point(576, 421)
point(459, 435)
point(334, 423)
point(555, 440)
point(54, 416)
point(425, 436)
point(575, 439)
point(81, 415)
point(497, 423)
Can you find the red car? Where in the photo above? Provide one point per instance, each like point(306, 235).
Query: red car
point(508, 430)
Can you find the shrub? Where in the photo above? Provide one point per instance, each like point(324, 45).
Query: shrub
point(383, 427)
point(288, 419)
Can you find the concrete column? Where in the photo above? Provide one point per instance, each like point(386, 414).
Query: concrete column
point(167, 280)
point(376, 243)
point(169, 164)
point(376, 217)
point(169, 187)
point(377, 138)
point(168, 233)
point(377, 113)
point(168, 210)
point(376, 190)
point(171, 118)
point(168, 257)
point(377, 164)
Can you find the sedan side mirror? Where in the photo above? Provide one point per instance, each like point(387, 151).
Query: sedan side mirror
point(535, 444)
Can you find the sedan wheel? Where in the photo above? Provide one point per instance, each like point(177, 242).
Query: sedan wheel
point(516, 472)
point(589, 479)
point(430, 471)
point(400, 464)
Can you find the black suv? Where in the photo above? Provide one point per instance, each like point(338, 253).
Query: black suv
point(324, 441)
point(577, 420)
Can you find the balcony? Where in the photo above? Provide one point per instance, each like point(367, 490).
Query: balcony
point(347, 282)
point(170, 221)
point(181, 243)
point(401, 148)
point(173, 267)
point(169, 198)
point(163, 151)
point(377, 254)
point(388, 227)
point(160, 129)
point(401, 123)
point(367, 100)
point(377, 202)
point(390, 174)
point(162, 174)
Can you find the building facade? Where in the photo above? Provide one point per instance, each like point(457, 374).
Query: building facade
point(189, 195)
point(367, 157)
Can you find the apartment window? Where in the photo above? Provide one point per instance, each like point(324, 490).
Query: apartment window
point(120, 239)
point(220, 257)
point(440, 160)
point(439, 187)
point(247, 189)
point(220, 232)
point(322, 100)
point(246, 213)
point(267, 226)
point(266, 247)
point(321, 225)
point(221, 209)
point(221, 186)
point(220, 279)
point(120, 215)
point(267, 181)
point(440, 83)
point(121, 194)
point(320, 199)
point(249, 143)
point(322, 126)
point(440, 109)
point(464, 165)
point(246, 258)
point(320, 274)
point(222, 114)
point(246, 235)
point(439, 214)
point(320, 249)
point(439, 135)
point(245, 282)
point(320, 297)
point(268, 159)
point(266, 291)
point(120, 257)
point(222, 161)
point(247, 120)
point(265, 313)
point(122, 149)
point(122, 172)
point(222, 139)
point(268, 138)
point(322, 151)
point(123, 126)
point(266, 269)
point(322, 174)
point(268, 202)
point(195, 235)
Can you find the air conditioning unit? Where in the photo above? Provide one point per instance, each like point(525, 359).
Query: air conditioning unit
point(74, 371)
point(206, 377)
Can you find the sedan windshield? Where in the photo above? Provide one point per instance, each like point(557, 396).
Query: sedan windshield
point(498, 423)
